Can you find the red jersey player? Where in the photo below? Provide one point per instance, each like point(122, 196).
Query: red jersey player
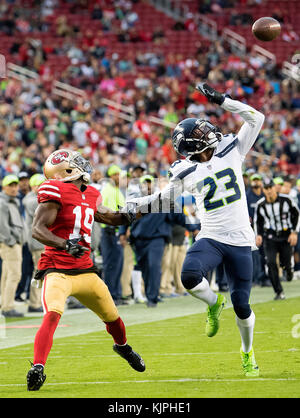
point(63, 221)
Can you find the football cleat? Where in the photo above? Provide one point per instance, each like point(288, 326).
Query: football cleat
point(213, 314)
point(210, 93)
point(250, 368)
point(133, 358)
point(35, 377)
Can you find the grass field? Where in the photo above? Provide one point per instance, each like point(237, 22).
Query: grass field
point(181, 361)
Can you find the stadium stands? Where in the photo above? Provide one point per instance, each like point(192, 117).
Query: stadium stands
point(135, 54)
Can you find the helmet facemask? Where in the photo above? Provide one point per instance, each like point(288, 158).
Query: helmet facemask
point(202, 136)
point(205, 135)
point(81, 165)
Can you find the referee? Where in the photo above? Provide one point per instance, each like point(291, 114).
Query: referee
point(276, 224)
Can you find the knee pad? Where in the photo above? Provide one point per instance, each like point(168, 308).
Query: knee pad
point(242, 311)
point(190, 279)
point(240, 303)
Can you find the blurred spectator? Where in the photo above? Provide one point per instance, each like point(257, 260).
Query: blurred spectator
point(11, 240)
point(35, 247)
point(288, 34)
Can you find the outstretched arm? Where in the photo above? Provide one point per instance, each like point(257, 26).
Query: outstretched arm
point(162, 201)
point(249, 131)
point(252, 117)
point(107, 216)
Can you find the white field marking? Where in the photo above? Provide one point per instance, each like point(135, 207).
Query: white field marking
point(168, 354)
point(184, 380)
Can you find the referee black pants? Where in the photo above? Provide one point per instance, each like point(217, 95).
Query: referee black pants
point(283, 248)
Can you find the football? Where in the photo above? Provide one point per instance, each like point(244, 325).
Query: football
point(266, 29)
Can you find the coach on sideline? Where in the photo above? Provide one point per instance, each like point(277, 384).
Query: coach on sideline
point(276, 224)
point(11, 240)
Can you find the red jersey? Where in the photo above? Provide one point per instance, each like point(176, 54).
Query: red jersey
point(75, 218)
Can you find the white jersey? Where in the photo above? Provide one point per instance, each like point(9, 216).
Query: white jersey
point(217, 185)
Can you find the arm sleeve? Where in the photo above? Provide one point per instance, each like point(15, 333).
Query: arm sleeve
point(258, 221)
point(253, 121)
point(162, 201)
point(295, 217)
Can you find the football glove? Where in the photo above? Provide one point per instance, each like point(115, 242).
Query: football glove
point(74, 248)
point(212, 95)
point(129, 212)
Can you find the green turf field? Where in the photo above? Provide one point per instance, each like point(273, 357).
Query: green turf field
point(181, 361)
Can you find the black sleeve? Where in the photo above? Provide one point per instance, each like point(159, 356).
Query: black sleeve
point(258, 221)
point(295, 217)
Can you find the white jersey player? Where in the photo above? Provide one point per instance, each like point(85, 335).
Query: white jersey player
point(212, 173)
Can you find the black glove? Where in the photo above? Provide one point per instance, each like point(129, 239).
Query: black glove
point(74, 248)
point(211, 94)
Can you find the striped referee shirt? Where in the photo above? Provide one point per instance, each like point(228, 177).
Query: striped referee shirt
point(278, 218)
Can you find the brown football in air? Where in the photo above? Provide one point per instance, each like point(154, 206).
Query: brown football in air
point(266, 29)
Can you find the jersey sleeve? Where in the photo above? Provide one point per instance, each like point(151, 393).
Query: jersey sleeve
point(253, 121)
point(49, 191)
point(163, 201)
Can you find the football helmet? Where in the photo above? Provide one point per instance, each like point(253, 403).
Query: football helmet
point(67, 165)
point(193, 136)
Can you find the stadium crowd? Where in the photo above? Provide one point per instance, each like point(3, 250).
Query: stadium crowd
point(35, 120)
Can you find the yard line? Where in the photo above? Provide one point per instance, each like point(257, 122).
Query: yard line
point(211, 353)
point(184, 380)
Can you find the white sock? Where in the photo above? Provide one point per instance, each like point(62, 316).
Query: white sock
point(246, 328)
point(136, 280)
point(203, 291)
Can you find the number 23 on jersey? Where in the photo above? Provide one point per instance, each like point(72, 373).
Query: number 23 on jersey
point(211, 204)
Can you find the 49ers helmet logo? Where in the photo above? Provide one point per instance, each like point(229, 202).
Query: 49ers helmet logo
point(59, 157)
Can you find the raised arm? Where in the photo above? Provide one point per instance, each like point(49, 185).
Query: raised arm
point(253, 118)
point(253, 121)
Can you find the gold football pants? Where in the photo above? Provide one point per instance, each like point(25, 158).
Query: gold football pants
point(88, 288)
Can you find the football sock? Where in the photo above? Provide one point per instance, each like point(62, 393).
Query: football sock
point(44, 337)
point(203, 291)
point(117, 330)
point(246, 328)
point(136, 280)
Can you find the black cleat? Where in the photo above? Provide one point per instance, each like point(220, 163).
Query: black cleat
point(35, 377)
point(133, 358)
